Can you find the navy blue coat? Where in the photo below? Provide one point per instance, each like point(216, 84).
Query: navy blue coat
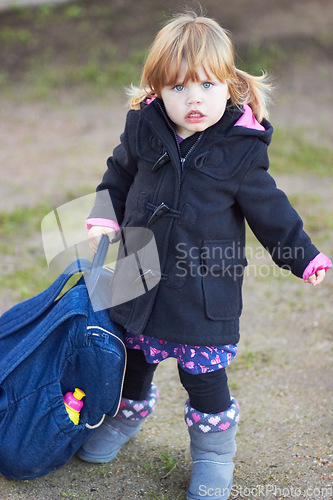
point(200, 229)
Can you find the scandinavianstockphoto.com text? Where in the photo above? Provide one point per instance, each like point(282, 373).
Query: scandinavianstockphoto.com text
point(232, 259)
point(271, 492)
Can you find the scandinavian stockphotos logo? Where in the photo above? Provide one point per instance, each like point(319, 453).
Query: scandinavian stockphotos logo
point(133, 254)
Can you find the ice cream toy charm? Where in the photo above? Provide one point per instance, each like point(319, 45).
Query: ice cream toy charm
point(73, 404)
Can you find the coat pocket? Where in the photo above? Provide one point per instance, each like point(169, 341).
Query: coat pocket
point(222, 263)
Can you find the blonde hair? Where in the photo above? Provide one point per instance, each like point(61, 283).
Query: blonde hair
point(200, 42)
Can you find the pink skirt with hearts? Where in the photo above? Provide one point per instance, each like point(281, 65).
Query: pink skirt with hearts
point(193, 359)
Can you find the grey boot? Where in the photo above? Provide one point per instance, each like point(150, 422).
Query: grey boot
point(212, 447)
point(105, 442)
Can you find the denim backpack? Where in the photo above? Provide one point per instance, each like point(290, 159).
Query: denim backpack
point(50, 346)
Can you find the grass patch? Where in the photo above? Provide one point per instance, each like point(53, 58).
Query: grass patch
point(318, 218)
point(246, 359)
point(28, 281)
point(23, 220)
point(85, 43)
point(101, 70)
point(24, 271)
point(169, 462)
point(290, 153)
point(259, 56)
point(282, 52)
point(161, 466)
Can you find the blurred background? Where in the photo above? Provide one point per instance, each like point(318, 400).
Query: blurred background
point(65, 65)
point(102, 43)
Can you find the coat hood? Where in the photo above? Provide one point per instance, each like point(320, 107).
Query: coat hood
point(235, 121)
point(247, 125)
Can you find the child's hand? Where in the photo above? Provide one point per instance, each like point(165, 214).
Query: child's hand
point(95, 233)
point(316, 278)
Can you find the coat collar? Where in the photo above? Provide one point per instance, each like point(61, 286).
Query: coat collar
point(155, 116)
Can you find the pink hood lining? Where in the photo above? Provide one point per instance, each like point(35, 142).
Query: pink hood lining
point(248, 120)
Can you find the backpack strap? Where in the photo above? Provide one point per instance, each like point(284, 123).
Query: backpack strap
point(62, 310)
point(98, 263)
point(27, 311)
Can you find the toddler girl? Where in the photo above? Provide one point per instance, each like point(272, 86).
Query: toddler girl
point(192, 166)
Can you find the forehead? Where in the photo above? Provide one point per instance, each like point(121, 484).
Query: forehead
point(197, 74)
point(186, 73)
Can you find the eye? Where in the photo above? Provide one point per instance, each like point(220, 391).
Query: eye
point(178, 88)
point(207, 85)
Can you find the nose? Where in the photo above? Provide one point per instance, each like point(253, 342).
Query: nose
point(194, 97)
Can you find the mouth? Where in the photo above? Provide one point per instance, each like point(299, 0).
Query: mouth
point(195, 116)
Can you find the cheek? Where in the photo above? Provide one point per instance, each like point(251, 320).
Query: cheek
point(222, 103)
point(168, 101)
point(172, 108)
point(218, 110)
point(174, 115)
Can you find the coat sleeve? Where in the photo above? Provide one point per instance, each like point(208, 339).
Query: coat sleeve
point(112, 192)
point(272, 219)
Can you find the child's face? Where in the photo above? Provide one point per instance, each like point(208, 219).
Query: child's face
point(197, 105)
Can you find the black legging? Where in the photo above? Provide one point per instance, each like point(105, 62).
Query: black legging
point(208, 392)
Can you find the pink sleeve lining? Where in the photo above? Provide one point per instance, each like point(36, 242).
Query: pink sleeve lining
point(102, 222)
point(248, 120)
point(318, 263)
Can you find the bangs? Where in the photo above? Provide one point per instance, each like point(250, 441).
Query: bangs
point(199, 43)
point(190, 44)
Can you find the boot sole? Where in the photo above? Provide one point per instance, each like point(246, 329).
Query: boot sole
point(95, 459)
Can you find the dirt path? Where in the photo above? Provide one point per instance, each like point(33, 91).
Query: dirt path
point(283, 373)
